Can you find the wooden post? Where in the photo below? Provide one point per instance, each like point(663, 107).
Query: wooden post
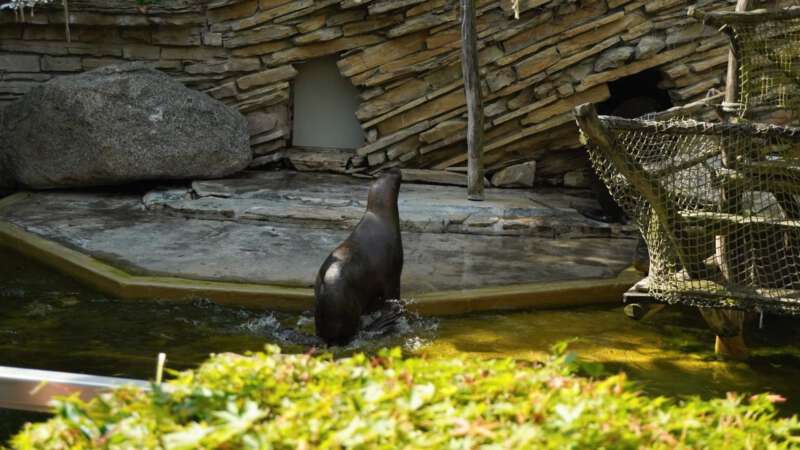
point(730, 342)
point(732, 85)
point(66, 20)
point(472, 88)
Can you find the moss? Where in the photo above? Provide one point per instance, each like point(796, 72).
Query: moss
point(272, 400)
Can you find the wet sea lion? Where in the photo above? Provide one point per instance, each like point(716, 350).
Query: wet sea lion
point(363, 271)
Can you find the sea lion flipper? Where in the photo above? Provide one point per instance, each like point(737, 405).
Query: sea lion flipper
point(388, 319)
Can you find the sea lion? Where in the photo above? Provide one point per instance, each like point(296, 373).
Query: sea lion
point(363, 271)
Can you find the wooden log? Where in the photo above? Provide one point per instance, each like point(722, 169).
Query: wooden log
point(594, 128)
point(730, 251)
point(741, 16)
point(129, 7)
point(725, 223)
point(753, 129)
point(472, 88)
point(693, 109)
point(728, 325)
point(66, 20)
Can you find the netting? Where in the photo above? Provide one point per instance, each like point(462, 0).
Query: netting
point(717, 204)
point(768, 53)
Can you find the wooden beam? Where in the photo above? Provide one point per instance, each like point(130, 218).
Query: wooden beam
point(706, 128)
point(66, 21)
point(470, 66)
point(728, 324)
point(732, 87)
point(595, 129)
point(742, 16)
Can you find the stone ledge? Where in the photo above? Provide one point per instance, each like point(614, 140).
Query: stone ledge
point(334, 201)
point(564, 285)
point(117, 283)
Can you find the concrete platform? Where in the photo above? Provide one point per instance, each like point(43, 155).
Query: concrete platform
point(259, 239)
point(338, 201)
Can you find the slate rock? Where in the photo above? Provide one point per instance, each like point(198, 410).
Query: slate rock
point(116, 125)
point(520, 175)
point(613, 58)
point(649, 46)
point(577, 178)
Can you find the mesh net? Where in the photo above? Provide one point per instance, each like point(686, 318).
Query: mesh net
point(768, 52)
point(717, 204)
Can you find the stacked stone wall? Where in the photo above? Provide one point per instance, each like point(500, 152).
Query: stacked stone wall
point(402, 55)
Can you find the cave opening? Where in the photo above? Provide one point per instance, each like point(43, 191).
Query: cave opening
point(324, 107)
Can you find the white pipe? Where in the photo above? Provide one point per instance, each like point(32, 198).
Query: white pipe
point(32, 390)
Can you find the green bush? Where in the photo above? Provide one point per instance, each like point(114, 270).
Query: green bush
point(272, 400)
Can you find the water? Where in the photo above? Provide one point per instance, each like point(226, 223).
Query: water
point(47, 321)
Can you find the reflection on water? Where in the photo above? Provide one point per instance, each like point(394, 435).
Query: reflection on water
point(49, 322)
point(670, 355)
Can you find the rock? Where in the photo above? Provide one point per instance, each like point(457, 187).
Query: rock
point(520, 175)
point(314, 160)
point(442, 130)
point(266, 33)
point(579, 72)
point(544, 90)
point(260, 122)
point(649, 46)
point(577, 179)
point(346, 17)
point(118, 124)
point(19, 63)
point(61, 64)
point(499, 79)
point(434, 176)
point(269, 76)
point(262, 161)
point(324, 34)
point(565, 90)
point(495, 109)
point(376, 158)
point(312, 24)
point(419, 23)
point(212, 39)
point(613, 58)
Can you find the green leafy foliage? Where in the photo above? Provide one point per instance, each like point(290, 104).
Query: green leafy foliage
point(272, 400)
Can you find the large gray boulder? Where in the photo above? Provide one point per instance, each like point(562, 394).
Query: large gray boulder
point(115, 125)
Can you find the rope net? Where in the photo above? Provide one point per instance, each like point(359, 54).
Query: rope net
point(768, 53)
point(717, 204)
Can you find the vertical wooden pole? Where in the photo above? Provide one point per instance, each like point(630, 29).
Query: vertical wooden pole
point(728, 324)
point(732, 85)
point(66, 20)
point(472, 88)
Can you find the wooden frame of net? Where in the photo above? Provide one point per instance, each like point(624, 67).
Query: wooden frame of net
point(671, 177)
point(718, 204)
point(766, 46)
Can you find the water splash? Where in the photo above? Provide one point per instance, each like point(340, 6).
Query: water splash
point(392, 326)
point(266, 324)
point(395, 325)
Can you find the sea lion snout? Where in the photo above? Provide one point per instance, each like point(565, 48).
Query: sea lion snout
point(395, 172)
point(390, 179)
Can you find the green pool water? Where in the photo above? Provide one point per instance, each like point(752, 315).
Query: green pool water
point(47, 321)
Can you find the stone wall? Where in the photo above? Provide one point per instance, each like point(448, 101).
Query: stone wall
point(402, 55)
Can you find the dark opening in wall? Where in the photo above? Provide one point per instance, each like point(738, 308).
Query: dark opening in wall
point(636, 95)
point(325, 104)
point(631, 97)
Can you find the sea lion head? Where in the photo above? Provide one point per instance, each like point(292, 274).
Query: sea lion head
point(384, 191)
